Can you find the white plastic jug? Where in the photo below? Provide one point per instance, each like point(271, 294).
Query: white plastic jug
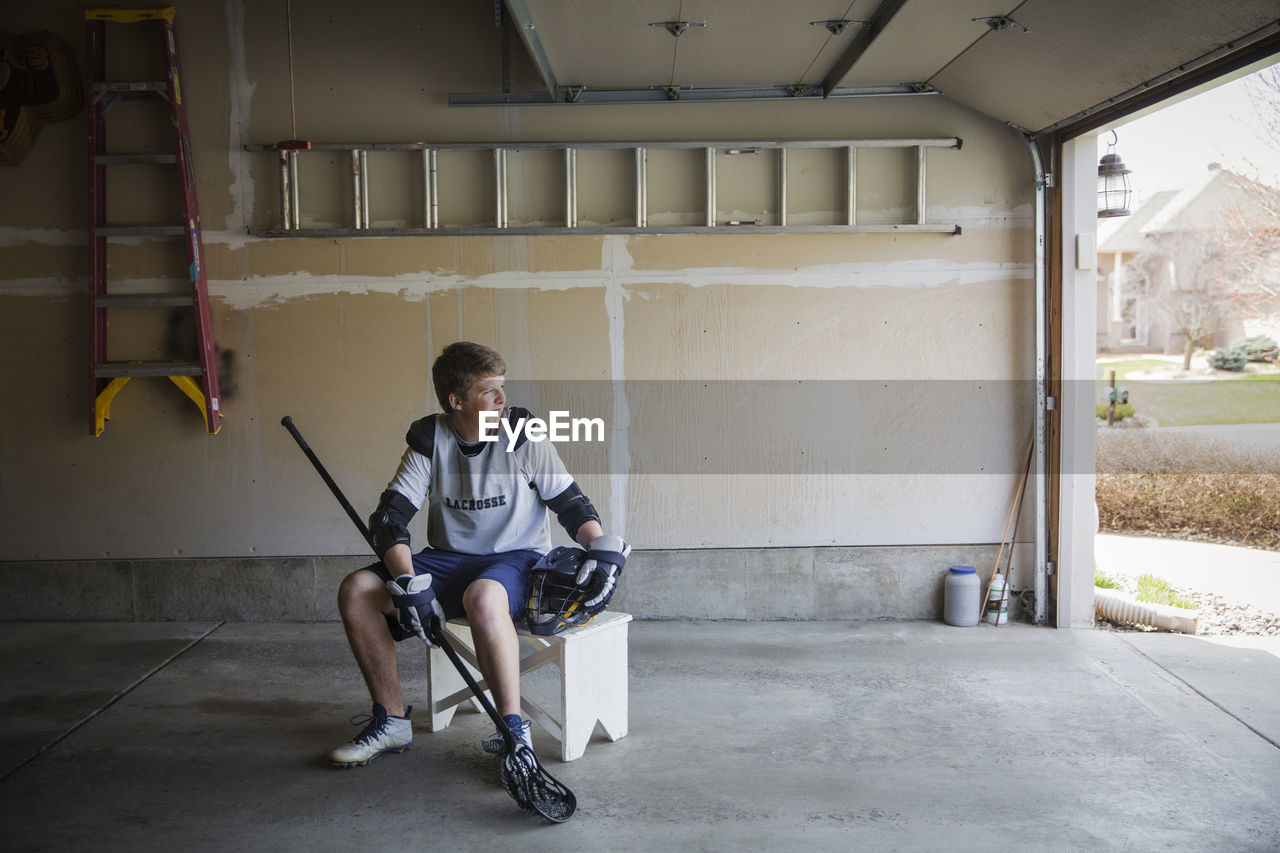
point(960, 597)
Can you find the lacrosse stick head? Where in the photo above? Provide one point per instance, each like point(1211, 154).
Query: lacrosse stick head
point(555, 602)
point(532, 787)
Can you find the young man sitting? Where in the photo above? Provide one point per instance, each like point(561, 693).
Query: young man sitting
point(487, 526)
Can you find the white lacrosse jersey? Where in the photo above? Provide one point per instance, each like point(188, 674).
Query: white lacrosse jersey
point(491, 502)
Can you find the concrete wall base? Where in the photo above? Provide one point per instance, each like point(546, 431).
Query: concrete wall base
point(837, 583)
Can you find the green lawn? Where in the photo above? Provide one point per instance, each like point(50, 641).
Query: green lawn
point(1247, 400)
point(1125, 366)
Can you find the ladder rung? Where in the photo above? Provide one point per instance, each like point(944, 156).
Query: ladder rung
point(140, 231)
point(147, 368)
point(144, 301)
point(120, 159)
point(126, 87)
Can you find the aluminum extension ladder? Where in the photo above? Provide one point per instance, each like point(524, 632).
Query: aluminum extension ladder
point(197, 379)
point(290, 223)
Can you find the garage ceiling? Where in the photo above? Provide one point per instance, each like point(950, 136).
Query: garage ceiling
point(1035, 64)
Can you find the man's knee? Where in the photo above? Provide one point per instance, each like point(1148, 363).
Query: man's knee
point(361, 590)
point(486, 601)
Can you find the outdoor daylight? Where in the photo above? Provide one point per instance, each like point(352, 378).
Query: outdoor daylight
point(1188, 455)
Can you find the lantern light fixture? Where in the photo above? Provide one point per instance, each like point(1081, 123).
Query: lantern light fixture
point(1113, 183)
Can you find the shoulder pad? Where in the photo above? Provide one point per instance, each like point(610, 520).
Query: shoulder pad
point(514, 415)
point(422, 435)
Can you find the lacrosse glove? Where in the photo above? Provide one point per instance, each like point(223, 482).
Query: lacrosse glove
point(607, 555)
point(411, 595)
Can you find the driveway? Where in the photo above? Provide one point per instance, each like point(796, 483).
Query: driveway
point(1240, 575)
point(1263, 436)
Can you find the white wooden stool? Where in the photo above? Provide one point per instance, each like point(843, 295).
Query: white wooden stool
point(593, 680)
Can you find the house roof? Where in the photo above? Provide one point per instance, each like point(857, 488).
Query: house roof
point(1216, 197)
point(1204, 204)
point(1126, 233)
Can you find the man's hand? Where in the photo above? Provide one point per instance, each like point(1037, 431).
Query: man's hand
point(411, 595)
point(607, 554)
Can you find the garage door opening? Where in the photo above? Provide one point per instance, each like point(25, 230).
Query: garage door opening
point(1187, 373)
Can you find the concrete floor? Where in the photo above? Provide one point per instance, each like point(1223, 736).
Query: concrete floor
point(744, 736)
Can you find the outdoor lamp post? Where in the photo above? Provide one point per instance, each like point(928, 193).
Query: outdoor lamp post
point(1113, 183)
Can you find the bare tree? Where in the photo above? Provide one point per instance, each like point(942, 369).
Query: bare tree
point(1192, 302)
point(1250, 231)
point(1220, 253)
point(1264, 93)
point(1248, 242)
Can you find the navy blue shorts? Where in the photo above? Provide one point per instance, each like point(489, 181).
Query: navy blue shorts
point(452, 573)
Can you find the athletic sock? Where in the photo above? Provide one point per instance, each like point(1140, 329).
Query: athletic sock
point(513, 721)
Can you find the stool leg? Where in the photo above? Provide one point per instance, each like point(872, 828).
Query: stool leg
point(594, 689)
point(442, 680)
point(613, 684)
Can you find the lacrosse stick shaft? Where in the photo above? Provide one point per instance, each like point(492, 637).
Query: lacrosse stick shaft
point(436, 635)
point(287, 422)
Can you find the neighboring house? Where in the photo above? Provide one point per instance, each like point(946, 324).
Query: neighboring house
point(1204, 260)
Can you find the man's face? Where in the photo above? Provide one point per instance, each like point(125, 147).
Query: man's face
point(485, 395)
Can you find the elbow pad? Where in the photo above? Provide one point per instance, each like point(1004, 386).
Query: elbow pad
point(572, 509)
point(389, 524)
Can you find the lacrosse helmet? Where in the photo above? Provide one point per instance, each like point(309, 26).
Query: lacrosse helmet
point(555, 602)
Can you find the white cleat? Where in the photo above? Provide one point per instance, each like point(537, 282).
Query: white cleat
point(382, 733)
point(495, 744)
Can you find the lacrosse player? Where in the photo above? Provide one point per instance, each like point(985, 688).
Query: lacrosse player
point(486, 502)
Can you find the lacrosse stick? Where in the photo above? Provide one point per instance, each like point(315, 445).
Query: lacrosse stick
point(523, 776)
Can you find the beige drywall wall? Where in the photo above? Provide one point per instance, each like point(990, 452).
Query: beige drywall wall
point(339, 333)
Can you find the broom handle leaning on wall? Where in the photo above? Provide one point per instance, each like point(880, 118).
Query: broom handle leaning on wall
point(1003, 538)
point(1008, 563)
point(1013, 511)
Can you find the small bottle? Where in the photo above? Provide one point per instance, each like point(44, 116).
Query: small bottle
point(998, 602)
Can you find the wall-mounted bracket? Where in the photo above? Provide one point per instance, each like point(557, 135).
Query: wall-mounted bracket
point(835, 27)
point(1001, 22)
point(678, 28)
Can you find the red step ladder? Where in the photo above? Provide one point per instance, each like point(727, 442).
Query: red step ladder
point(197, 379)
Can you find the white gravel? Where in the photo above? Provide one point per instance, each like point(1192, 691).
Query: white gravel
point(1216, 615)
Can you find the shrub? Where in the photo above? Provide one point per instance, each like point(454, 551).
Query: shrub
point(1180, 452)
point(1189, 486)
point(1123, 410)
point(1258, 348)
point(1228, 359)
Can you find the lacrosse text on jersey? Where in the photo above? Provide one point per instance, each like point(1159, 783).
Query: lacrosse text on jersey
point(559, 427)
point(473, 504)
